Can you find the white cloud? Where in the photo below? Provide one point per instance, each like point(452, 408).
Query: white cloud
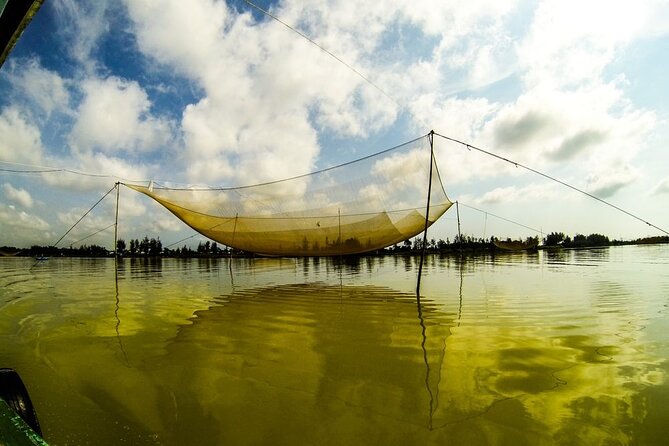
point(605, 183)
point(570, 42)
point(21, 140)
point(567, 110)
point(161, 28)
point(94, 229)
point(101, 172)
point(253, 123)
point(515, 194)
point(11, 217)
point(45, 87)
point(114, 116)
point(82, 25)
point(544, 119)
point(594, 127)
point(19, 196)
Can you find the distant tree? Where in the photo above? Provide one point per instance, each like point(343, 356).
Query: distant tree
point(554, 238)
point(579, 240)
point(534, 239)
point(597, 240)
point(144, 245)
point(120, 246)
point(155, 247)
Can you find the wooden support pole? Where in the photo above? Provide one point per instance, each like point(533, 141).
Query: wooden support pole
point(427, 213)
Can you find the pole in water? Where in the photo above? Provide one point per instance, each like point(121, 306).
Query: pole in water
point(457, 212)
point(427, 214)
point(234, 231)
point(118, 188)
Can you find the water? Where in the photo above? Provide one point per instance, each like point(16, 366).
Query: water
point(566, 347)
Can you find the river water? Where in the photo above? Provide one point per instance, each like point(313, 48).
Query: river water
point(566, 347)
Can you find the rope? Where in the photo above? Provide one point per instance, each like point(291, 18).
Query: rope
point(126, 182)
point(82, 217)
point(538, 231)
point(341, 61)
point(37, 169)
point(183, 240)
point(517, 164)
point(329, 53)
point(248, 186)
point(91, 235)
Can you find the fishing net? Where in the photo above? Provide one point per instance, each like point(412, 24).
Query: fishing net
point(356, 207)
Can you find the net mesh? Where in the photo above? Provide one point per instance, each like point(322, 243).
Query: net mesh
point(353, 208)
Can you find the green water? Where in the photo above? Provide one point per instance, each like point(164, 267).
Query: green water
point(568, 347)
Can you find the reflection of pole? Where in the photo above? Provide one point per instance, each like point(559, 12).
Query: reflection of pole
point(423, 333)
point(117, 307)
point(427, 212)
point(460, 305)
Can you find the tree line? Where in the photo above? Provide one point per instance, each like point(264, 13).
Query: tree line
point(153, 247)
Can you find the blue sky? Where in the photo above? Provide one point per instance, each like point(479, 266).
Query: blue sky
point(209, 92)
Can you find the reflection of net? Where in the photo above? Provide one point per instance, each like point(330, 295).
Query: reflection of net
point(356, 207)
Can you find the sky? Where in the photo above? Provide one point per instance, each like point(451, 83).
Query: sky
point(218, 93)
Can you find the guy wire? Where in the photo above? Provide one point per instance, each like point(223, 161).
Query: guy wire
point(337, 58)
point(82, 217)
point(469, 146)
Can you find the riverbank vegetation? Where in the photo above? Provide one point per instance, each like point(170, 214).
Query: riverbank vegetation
point(153, 247)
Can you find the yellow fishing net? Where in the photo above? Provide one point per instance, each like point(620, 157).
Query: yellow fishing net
point(356, 207)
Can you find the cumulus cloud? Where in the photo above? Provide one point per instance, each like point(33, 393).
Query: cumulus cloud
point(21, 141)
point(18, 196)
point(529, 126)
point(100, 170)
point(239, 131)
point(566, 108)
point(570, 147)
point(114, 116)
point(44, 87)
point(94, 229)
point(554, 57)
point(258, 75)
point(606, 183)
point(515, 194)
point(10, 217)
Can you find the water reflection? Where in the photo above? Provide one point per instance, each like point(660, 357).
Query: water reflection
point(496, 351)
point(590, 255)
point(345, 359)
